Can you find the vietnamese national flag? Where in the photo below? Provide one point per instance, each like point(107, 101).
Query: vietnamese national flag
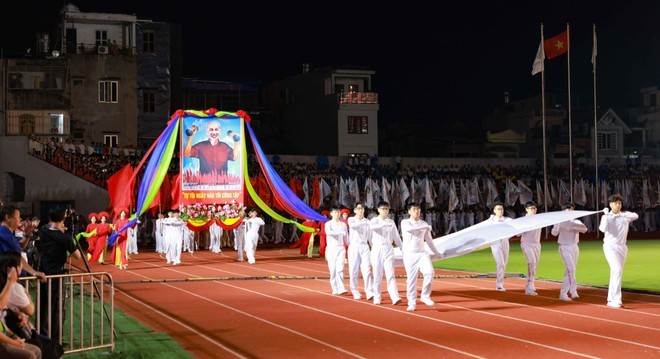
point(555, 46)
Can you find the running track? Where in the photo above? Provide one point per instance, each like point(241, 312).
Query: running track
point(282, 307)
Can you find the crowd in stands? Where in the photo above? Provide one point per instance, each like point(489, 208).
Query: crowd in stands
point(96, 162)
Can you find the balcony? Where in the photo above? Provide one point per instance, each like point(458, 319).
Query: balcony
point(358, 97)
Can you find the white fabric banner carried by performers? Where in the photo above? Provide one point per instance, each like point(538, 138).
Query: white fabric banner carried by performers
point(483, 235)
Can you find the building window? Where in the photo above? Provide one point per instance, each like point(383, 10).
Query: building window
point(108, 91)
point(101, 37)
point(607, 141)
point(653, 100)
point(57, 123)
point(111, 140)
point(353, 88)
point(27, 124)
point(148, 37)
point(339, 88)
point(358, 125)
point(148, 101)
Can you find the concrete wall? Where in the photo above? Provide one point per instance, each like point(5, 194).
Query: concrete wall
point(45, 182)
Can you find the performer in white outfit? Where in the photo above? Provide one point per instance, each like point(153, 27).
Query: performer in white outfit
point(188, 240)
point(416, 259)
point(278, 232)
point(239, 240)
point(335, 253)
point(131, 244)
point(359, 254)
point(252, 225)
point(383, 233)
point(530, 243)
point(615, 224)
point(568, 236)
point(173, 238)
point(158, 233)
point(215, 234)
point(500, 248)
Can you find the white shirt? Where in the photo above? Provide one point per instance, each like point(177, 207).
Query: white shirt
point(415, 233)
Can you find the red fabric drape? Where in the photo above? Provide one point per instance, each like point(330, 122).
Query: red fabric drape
point(264, 191)
point(208, 224)
point(163, 198)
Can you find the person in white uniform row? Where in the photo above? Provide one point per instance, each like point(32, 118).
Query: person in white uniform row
point(359, 254)
point(500, 248)
point(383, 233)
point(215, 234)
point(158, 233)
point(568, 236)
point(239, 241)
point(252, 225)
point(131, 244)
point(615, 224)
point(336, 233)
point(173, 237)
point(530, 244)
point(415, 232)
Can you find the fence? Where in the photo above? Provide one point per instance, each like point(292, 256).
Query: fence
point(86, 307)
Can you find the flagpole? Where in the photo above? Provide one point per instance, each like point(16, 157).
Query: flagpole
point(570, 122)
point(545, 162)
point(593, 59)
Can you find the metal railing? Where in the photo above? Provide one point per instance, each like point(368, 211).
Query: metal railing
point(86, 306)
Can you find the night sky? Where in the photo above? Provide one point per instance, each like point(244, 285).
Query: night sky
point(438, 66)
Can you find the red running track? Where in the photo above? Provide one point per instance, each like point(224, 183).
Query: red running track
point(282, 307)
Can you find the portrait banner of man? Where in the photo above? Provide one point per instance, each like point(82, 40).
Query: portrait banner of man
point(211, 161)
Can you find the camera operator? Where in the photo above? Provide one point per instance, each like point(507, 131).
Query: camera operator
point(55, 245)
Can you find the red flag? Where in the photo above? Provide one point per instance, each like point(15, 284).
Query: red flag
point(120, 188)
point(555, 46)
point(176, 191)
point(296, 187)
point(315, 199)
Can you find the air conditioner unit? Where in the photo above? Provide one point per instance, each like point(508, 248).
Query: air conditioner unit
point(102, 50)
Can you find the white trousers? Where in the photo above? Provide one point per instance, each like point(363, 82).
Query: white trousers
point(569, 255)
point(382, 260)
point(500, 251)
point(532, 252)
point(414, 264)
point(335, 256)
point(616, 258)
point(359, 258)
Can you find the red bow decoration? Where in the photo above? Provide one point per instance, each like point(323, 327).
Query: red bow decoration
point(242, 114)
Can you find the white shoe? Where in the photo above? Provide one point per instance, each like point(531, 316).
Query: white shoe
point(376, 301)
point(531, 292)
point(428, 302)
point(411, 308)
point(614, 305)
point(500, 289)
point(398, 301)
point(342, 292)
point(575, 295)
point(565, 298)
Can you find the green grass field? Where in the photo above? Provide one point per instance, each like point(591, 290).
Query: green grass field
point(640, 272)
